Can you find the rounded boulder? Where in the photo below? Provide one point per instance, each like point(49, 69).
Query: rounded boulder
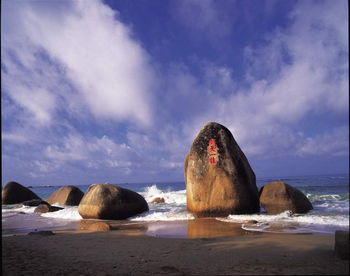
point(14, 192)
point(44, 208)
point(158, 200)
point(67, 195)
point(219, 179)
point(107, 201)
point(277, 197)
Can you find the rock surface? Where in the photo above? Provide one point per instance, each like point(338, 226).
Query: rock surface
point(34, 202)
point(341, 245)
point(67, 195)
point(158, 200)
point(14, 192)
point(107, 201)
point(44, 208)
point(219, 179)
point(277, 197)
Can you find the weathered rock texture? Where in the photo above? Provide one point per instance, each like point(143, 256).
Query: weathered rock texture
point(33, 202)
point(14, 192)
point(158, 200)
point(67, 195)
point(219, 179)
point(277, 197)
point(44, 208)
point(107, 201)
point(341, 245)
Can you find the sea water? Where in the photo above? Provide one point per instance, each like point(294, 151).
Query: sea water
point(329, 196)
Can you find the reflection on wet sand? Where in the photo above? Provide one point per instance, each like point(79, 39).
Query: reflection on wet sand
point(212, 228)
point(195, 229)
point(107, 225)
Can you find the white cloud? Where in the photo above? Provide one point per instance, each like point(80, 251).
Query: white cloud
point(335, 143)
point(96, 152)
point(300, 71)
point(13, 137)
point(82, 46)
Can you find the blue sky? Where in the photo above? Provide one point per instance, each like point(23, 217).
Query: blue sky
point(115, 91)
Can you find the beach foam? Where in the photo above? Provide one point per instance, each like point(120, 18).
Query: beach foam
point(170, 197)
point(69, 212)
point(292, 222)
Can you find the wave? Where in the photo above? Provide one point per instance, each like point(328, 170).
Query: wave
point(324, 197)
point(68, 213)
point(171, 215)
point(289, 222)
point(170, 197)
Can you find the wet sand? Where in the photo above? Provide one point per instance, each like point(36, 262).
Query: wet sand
point(199, 247)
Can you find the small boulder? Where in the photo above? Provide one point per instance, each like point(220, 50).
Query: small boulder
point(277, 197)
point(44, 208)
point(107, 201)
point(158, 200)
point(219, 179)
point(67, 195)
point(341, 245)
point(14, 192)
point(33, 202)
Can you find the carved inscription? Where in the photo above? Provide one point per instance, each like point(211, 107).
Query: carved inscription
point(212, 150)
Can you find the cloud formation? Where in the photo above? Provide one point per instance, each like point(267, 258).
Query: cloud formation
point(298, 72)
point(82, 96)
point(74, 55)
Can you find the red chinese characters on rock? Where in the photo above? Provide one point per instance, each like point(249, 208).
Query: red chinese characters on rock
point(213, 155)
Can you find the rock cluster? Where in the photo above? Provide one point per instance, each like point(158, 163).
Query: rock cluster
point(220, 181)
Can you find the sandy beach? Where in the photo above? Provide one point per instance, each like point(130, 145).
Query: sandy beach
point(208, 249)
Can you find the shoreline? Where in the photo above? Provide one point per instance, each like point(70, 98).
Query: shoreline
point(190, 228)
point(208, 250)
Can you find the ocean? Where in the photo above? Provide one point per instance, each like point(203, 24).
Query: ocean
point(329, 195)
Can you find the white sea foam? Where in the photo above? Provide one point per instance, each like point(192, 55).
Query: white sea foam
point(18, 208)
point(308, 222)
point(69, 213)
point(156, 216)
point(329, 197)
point(170, 197)
point(174, 207)
point(175, 213)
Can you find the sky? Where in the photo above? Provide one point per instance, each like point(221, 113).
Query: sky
point(97, 91)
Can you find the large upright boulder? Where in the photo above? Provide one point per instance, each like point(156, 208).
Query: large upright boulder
point(14, 192)
point(277, 197)
point(219, 179)
point(107, 201)
point(67, 195)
